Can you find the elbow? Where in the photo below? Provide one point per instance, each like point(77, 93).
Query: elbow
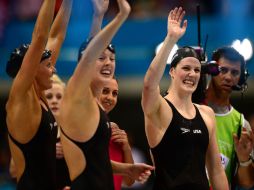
point(86, 58)
point(147, 86)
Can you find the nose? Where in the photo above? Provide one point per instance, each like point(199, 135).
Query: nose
point(228, 76)
point(109, 61)
point(53, 70)
point(192, 72)
point(54, 100)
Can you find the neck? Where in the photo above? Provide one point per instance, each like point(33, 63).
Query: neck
point(219, 109)
point(180, 100)
point(217, 97)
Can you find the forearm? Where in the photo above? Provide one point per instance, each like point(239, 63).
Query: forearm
point(59, 27)
point(102, 39)
point(43, 22)
point(127, 158)
point(219, 181)
point(245, 176)
point(158, 65)
point(119, 168)
point(96, 25)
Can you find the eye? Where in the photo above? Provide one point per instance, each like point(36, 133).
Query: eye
point(112, 59)
point(102, 58)
point(49, 96)
point(105, 91)
point(186, 68)
point(115, 93)
point(48, 65)
point(223, 70)
point(235, 73)
point(59, 96)
point(197, 70)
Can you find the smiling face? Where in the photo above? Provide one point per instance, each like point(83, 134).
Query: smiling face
point(109, 94)
point(105, 70)
point(105, 65)
point(186, 74)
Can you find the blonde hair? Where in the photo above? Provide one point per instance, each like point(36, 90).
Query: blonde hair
point(57, 80)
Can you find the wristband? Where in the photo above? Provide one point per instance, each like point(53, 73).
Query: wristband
point(246, 163)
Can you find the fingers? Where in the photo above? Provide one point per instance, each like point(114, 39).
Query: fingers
point(235, 138)
point(124, 7)
point(114, 126)
point(177, 14)
point(119, 136)
point(59, 151)
point(144, 176)
point(180, 14)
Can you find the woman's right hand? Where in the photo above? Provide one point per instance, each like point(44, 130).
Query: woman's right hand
point(59, 151)
point(175, 17)
point(124, 8)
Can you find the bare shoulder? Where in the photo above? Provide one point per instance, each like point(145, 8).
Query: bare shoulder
point(208, 116)
point(205, 109)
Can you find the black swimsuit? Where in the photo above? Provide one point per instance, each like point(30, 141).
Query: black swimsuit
point(98, 173)
point(180, 156)
point(39, 154)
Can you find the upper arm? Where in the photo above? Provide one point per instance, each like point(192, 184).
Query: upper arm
point(151, 100)
point(28, 70)
point(58, 30)
point(212, 156)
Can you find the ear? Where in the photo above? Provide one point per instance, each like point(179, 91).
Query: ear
point(172, 72)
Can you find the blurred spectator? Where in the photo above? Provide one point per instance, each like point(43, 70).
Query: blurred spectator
point(27, 9)
point(143, 9)
point(4, 15)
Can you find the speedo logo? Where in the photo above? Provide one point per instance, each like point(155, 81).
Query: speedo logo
point(195, 131)
point(184, 130)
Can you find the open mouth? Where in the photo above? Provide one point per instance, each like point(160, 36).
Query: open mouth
point(106, 71)
point(189, 82)
point(54, 109)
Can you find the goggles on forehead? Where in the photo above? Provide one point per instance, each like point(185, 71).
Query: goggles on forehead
point(46, 54)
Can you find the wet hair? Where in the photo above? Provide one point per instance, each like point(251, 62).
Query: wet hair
point(182, 53)
point(14, 63)
point(84, 45)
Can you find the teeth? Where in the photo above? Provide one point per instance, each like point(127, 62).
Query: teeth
point(106, 72)
point(188, 82)
point(107, 103)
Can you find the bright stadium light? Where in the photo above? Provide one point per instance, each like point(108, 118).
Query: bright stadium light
point(244, 48)
point(175, 48)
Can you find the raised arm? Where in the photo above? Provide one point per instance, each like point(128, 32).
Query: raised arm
point(26, 75)
point(85, 70)
point(100, 7)
point(58, 30)
point(151, 93)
